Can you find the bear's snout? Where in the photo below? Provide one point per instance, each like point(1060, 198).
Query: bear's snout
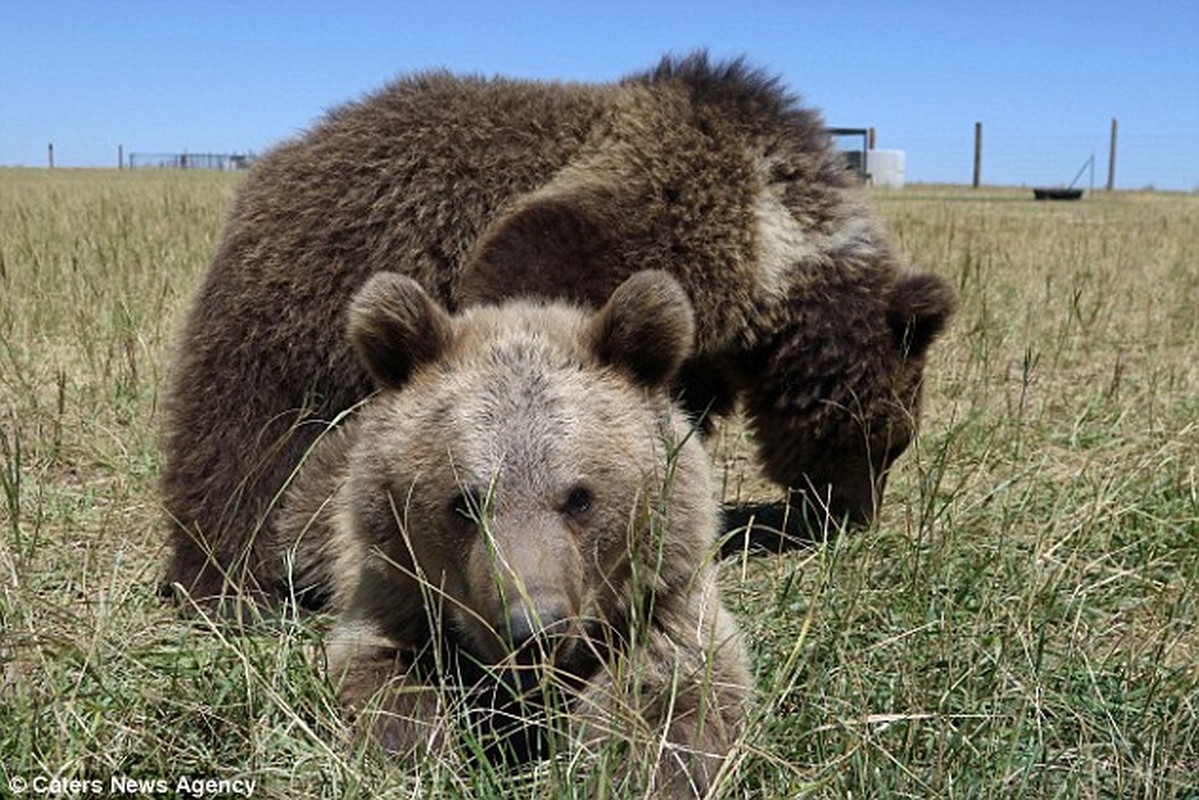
point(537, 624)
point(533, 623)
point(524, 581)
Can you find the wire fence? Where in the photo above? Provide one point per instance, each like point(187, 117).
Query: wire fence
point(1145, 159)
point(224, 162)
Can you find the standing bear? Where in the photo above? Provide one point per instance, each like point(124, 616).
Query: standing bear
point(486, 189)
point(520, 521)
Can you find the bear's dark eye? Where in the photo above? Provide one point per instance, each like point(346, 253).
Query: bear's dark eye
point(578, 502)
point(468, 505)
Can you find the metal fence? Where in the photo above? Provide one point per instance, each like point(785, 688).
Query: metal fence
point(225, 162)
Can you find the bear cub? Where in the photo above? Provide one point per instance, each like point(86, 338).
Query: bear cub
point(520, 520)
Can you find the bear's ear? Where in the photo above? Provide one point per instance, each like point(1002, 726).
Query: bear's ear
point(395, 327)
point(646, 329)
point(919, 307)
point(556, 245)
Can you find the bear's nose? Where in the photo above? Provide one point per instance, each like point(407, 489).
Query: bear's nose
point(540, 624)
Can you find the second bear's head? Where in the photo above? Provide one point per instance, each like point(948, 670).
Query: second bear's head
point(522, 475)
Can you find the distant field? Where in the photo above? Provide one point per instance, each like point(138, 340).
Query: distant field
point(1024, 621)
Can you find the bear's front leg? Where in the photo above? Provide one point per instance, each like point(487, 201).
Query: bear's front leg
point(680, 695)
point(379, 684)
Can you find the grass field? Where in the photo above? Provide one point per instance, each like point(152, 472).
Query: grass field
point(1022, 622)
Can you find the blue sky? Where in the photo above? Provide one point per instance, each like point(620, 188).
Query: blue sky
point(1045, 78)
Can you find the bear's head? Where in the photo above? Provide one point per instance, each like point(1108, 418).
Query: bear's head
point(521, 479)
point(846, 397)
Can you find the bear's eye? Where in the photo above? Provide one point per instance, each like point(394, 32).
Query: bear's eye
point(578, 502)
point(468, 505)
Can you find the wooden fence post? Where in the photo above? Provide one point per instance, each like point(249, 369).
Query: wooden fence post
point(1111, 160)
point(978, 153)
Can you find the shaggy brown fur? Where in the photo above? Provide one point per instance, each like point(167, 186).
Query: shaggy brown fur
point(519, 504)
point(484, 189)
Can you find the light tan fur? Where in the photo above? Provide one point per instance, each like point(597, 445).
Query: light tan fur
point(521, 494)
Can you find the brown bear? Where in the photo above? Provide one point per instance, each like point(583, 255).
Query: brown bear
point(522, 508)
point(483, 189)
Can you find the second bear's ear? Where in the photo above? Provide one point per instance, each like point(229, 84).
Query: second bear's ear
point(646, 329)
point(919, 307)
point(395, 327)
point(555, 245)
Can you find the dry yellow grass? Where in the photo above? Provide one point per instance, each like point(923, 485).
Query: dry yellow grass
point(1021, 622)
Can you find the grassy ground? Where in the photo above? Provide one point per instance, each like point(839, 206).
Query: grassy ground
point(1022, 622)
